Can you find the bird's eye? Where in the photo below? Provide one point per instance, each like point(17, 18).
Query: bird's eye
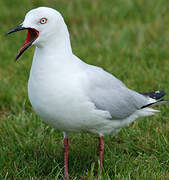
point(43, 20)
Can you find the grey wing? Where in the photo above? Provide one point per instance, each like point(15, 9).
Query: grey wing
point(110, 94)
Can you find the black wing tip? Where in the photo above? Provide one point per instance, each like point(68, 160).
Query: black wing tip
point(155, 95)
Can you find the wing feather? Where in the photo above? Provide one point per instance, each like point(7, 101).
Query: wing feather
point(110, 94)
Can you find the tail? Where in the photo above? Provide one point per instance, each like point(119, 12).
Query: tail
point(155, 98)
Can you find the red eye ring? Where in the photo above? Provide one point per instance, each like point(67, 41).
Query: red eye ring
point(43, 20)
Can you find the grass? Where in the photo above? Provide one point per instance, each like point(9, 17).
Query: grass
point(127, 38)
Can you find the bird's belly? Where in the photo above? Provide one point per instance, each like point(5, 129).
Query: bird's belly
point(63, 105)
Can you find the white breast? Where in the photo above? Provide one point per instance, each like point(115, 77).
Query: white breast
point(57, 96)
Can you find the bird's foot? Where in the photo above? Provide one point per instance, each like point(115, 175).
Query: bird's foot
point(67, 176)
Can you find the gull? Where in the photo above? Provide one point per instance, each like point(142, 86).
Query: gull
point(71, 95)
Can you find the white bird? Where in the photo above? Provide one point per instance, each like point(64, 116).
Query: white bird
point(69, 94)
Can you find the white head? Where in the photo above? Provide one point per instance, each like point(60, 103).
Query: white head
point(45, 26)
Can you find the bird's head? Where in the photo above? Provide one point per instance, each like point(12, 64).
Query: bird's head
point(41, 24)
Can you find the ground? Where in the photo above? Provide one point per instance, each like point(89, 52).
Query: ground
point(129, 39)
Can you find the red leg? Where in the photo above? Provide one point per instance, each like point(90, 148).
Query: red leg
point(66, 149)
point(101, 151)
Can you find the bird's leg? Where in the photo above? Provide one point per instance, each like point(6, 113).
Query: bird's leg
point(101, 151)
point(66, 149)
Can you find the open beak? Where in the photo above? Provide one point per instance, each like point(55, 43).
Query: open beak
point(32, 35)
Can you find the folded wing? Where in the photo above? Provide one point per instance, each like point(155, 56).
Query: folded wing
point(110, 94)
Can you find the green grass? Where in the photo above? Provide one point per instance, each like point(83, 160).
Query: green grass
point(127, 38)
